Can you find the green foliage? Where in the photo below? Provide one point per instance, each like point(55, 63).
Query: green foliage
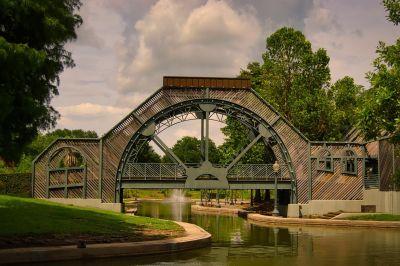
point(393, 8)
point(16, 184)
point(32, 217)
point(294, 79)
point(188, 150)
point(32, 55)
point(41, 142)
point(148, 155)
point(347, 98)
point(375, 217)
point(237, 137)
point(380, 114)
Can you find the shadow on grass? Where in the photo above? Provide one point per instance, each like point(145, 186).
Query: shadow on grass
point(22, 218)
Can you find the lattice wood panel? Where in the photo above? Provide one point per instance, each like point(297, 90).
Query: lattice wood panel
point(88, 148)
point(373, 148)
point(298, 152)
point(337, 149)
point(336, 185)
point(385, 165)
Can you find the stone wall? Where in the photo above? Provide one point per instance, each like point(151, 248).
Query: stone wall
point(385, 202)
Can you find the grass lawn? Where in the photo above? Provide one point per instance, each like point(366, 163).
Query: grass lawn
point(38, 219)
point(376, 217)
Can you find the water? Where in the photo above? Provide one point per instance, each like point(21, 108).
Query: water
point(236, 241)
point(177, 195)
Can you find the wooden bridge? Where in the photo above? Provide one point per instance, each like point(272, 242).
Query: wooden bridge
point(104, 167)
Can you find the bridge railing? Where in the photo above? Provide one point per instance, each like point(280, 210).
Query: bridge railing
point(153, 171)
point(371, 181)
point(173, 171)
point(257, 172)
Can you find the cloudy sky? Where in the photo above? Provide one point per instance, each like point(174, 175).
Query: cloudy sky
point(124, 47)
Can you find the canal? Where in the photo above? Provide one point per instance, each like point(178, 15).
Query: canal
point(236, 241)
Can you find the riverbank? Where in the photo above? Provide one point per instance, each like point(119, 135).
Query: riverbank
point(195, 237)
point(270, 220)
point(216, 210)
point(32, 223)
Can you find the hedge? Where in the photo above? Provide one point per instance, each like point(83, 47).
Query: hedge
point(18, 184)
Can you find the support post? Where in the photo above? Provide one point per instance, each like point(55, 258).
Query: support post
point(217, 198)
point(100, 193)
point(84, 189)
point(202, 136)
point(276, 169)
point(309, 173)
point(207, 136)
point(66, 184)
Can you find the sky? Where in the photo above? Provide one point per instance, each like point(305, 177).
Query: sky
point(125, 47)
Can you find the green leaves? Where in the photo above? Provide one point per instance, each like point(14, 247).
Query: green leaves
point(41, 142)
point(32, 36)
point(188, 150)
point(380, 114)
point(393, 8)
point(294, 79)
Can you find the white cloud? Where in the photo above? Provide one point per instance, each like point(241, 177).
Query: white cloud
point(349, 35)
point(92, 110)
point(125, 47)
point(187, 38)
point(91, 116)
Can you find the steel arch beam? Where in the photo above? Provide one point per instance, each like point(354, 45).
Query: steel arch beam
point(231, 109)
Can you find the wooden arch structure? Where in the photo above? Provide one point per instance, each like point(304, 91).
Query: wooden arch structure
point(110, 164)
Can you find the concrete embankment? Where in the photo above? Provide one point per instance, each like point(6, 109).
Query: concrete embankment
point(215, 210)
point(195, 237)
point(269, 220)
point(282, 221)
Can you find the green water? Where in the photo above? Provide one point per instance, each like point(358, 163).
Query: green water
point(238, 242)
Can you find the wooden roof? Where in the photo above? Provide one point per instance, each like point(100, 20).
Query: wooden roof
point(207, 82)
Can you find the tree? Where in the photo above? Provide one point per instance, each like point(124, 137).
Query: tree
point(381, 112)
point(148, 155)
point(188, 150)
point(32, 55)
point(42, 141)
point(294, 79)
point(393, 8)
point(237, 137)
point(346, 97)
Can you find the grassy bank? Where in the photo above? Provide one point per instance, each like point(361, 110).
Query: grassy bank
point(375, 217)
point(43, 222)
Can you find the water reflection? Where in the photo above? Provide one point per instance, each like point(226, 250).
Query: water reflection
point(238, 242)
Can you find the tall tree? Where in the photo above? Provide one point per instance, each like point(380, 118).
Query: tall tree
point(346, 97)
point(294, 79)
point(381, 112)
point(32, 55)
point(237, 137)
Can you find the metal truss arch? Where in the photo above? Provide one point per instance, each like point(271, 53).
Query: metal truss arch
point(190, 110)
